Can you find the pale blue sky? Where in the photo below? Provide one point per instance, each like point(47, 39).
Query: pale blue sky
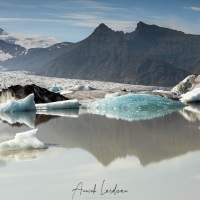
point(73, 20)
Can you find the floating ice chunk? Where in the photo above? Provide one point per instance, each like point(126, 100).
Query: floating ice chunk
point(68, 104)
point(55, 89)
point(81, 88)
point(110, 95)
point(27, 118)
point(66, 92)
point(134, 107)
point(26, 104)
point(25, 140)
point(192, 96)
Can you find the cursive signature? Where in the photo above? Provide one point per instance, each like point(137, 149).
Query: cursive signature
point(79, 189)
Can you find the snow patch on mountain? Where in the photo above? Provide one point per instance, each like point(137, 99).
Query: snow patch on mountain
point(28, 41)
point(4, 56)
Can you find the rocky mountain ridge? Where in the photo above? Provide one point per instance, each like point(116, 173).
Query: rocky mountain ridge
point(150, 55)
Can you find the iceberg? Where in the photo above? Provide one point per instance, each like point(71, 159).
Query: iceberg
point(26, 104)
point(110, 95)
point(133, 107)
point(55, 89)
point(24, 140)
point(192, 96)
point(81, 88)
point(68, 104)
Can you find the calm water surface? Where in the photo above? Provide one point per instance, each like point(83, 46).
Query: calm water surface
point(150, 159)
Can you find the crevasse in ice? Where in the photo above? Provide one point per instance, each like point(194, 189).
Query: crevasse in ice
point(134, 107)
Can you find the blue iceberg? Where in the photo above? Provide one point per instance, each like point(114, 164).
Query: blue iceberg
point(133, 107)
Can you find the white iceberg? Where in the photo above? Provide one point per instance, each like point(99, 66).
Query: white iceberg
point(24, 140)
point(66, 92)
point(111, 95)
point(81, 88)
point(68, 104)
point(26, 104)
point(134, 107)
point(192, 96)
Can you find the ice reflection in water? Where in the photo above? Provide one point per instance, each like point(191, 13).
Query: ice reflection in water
point(159, 156)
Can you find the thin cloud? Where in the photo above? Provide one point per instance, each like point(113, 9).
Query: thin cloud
point(7, 4)
point(193, 8)
point(86, 20)
point(87, 4)
point(32, 20)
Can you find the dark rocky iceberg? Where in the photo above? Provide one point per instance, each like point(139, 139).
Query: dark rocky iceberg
point(41, 95)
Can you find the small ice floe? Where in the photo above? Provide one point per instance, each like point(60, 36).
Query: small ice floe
point(26, 104)
point(81, 88)
point(192, 96)
point(24, 140)
point(68, 104)
point(111, 95)
point(55, 89)
point(66, 92)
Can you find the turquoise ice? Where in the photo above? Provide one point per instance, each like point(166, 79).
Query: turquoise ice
point(134, 107)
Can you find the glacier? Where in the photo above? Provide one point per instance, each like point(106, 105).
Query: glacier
point(24, 140)
point(133, 107)
point(26, 104)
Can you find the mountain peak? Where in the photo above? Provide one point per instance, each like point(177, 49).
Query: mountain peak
point(142, 26)
point(2, 32)
point(102, 28)
point(157, 31)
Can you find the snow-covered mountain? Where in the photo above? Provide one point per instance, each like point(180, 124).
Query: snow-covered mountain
point(14, 44)
point(8, 50)
point(28, 41)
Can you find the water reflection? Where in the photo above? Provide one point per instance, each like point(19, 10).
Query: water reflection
point(26, 155)
point(27, 118)
point(191, 112)
point(32, 119)
point(108, 139)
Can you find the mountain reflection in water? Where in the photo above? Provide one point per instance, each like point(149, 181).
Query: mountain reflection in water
point(108, 139)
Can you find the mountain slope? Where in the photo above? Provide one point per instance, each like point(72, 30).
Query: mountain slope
point(10, 50)
point(150, 55)
point(180, 49)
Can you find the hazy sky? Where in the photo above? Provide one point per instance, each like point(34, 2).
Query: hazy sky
point(73, 20)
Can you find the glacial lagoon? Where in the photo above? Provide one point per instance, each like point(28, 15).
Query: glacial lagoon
point(145, 159)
